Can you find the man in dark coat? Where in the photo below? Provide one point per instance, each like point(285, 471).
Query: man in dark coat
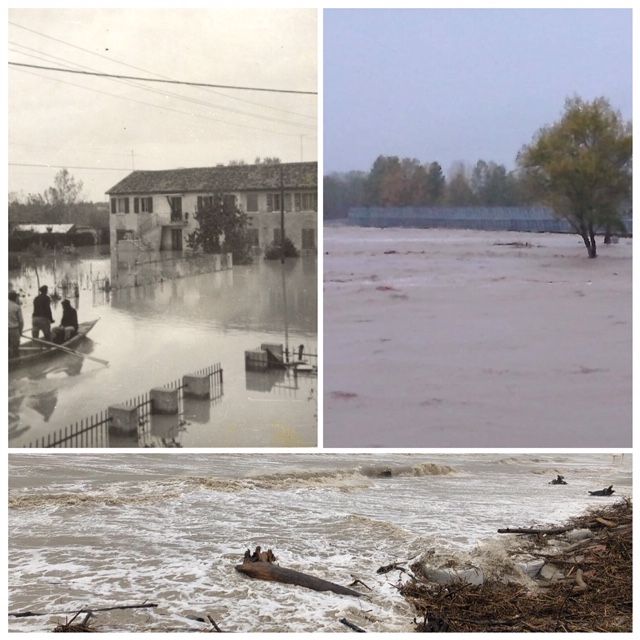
point(68, 325)
point(42, 316)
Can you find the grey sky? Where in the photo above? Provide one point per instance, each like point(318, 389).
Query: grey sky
point(69, 120)
point(460, 85)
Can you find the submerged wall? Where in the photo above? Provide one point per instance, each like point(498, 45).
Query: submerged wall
point(133, 265)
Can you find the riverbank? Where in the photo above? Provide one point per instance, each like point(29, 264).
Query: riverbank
point(582, 583)
point(450, 338)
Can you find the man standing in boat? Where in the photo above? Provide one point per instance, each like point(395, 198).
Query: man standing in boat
point(16, 324)
point(42, 316)
point(68, 325)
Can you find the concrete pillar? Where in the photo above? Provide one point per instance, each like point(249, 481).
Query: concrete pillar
point(164, 401)
point(275, 349)
point(124, 419)
point(256, 360)
point(196, 386)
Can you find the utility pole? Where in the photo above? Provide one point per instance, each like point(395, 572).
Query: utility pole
point(281, 216)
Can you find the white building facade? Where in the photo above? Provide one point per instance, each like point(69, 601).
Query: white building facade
point(157, 208)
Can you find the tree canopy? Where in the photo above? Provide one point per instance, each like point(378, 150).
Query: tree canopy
point(581, 167)
point(222, 227)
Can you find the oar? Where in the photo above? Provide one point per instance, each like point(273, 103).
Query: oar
point(66, 349)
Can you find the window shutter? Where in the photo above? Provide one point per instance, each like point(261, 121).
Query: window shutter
point(150, 207)
point(269, 202)
point(298, 202)
point(113, 205)
point(126, 205)
point(136, 205)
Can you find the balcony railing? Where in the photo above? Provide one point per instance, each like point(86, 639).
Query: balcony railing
point(180, 218)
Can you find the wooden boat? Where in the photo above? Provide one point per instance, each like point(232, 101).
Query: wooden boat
point(31, 352)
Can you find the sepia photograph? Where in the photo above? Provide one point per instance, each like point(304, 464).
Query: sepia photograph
point(300, 542)
point(162, 228)
point(477, 228)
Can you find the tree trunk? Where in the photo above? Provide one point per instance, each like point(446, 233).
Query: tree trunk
point(589, 242)
point(592, 238)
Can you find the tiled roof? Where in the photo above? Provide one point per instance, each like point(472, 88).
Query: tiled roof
point(296, 175)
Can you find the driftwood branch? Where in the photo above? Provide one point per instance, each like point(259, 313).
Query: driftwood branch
point(357, 581)
point(213, 624)
point(534, 531)
point(352, 626)
point(29, 614)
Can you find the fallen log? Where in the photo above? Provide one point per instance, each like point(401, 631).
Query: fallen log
point(262, 570)
point(534, 531)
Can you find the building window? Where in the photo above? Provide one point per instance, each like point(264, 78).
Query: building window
point(143, 205)
point(252, 202)
point(119, 205)
point(273, 202)
point(175, 202)
point(176, 239)
point(229, 202)
point(306, 201)
point(308, 238)
point(204, 202)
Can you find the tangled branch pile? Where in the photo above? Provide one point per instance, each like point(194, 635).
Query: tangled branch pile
point(591, 591)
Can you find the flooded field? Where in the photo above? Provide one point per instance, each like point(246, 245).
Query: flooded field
point(152, 335)
point(454, 338)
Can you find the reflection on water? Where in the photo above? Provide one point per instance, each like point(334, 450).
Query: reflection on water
point(154, 334)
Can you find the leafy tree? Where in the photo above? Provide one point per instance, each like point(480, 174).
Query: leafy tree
point(65, 191)
point(581, 167)
point(436, 183)
point(222, 228)
point(458, 192)
point(341, 191)
point(275, 250)
point(492, 185)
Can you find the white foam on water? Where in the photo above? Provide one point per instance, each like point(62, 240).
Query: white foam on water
point(172, 533)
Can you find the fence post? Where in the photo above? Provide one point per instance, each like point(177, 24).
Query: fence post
point(164, 401)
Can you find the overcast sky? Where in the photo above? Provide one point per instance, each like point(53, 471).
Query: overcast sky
point(460, 85)
point(82, 121)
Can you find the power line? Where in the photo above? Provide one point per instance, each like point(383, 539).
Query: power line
point(181, 82)
point(161, 92)
point(131, 66)
point(66, 166)
point(157, 106)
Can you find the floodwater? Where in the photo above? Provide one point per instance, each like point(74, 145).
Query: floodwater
point(153, 335)
point(464, 338)
point(102, 530)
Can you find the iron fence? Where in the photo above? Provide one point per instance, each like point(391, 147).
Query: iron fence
point(94, 430)
point(88, 432)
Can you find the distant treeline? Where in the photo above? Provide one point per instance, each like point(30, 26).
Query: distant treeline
point(85, 214)
point(397, 182)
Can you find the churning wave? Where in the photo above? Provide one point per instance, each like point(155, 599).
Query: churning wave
point(142, 492)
